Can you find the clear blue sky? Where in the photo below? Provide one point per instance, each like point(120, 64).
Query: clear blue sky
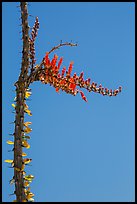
point(81, 151)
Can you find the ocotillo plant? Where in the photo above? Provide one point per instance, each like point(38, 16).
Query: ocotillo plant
point(49, 71)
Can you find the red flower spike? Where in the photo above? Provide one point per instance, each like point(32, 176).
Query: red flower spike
point(81, 75)
point(95, 84)
point(47, 60)
point(106, 90)
point(70, 68)
point(71, 80)
point(83, 96)
point(59, 76)
point(46, 71)
point(57, 89)
point(75, 92)
point(60, 62)
point(54, 79)
point(55, 70)
point(120, 88)
point(102, 89)
point(68, 83)
point(54, 60)
point(89, 80)
point(63, 71)
point(72, 87)
point(110, 92)
point(74, 76)
point(114, 93)
point(104, 93)
point(63, 82)
point(72, 84)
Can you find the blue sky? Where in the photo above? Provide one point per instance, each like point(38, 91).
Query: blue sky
point(80, 151)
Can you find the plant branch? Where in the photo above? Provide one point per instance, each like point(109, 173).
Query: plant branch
point(62, 44)
point(21, 85)
point(26, 44)
point(33, 75)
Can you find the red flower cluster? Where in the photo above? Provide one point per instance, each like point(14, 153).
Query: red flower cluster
point(68, 83)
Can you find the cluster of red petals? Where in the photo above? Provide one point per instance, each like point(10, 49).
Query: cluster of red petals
point(66, 82)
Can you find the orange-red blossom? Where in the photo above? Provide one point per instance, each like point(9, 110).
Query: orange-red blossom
point(69, 83)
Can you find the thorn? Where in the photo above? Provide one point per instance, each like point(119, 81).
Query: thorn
point(31, 15)
point(29, 89)
point(10, 150)
point(29, 164)
point(12, 193)
point(12, 134)
point(12, 122)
